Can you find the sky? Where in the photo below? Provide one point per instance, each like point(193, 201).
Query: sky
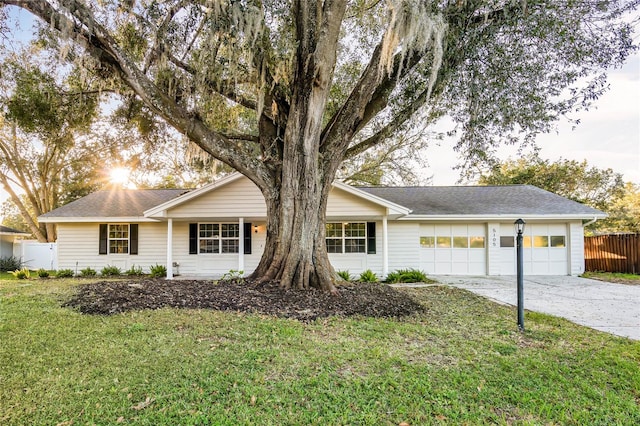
point(607, 137)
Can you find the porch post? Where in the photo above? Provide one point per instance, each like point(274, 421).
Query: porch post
point(241, 245)
point(170, 249)
point(385, 248)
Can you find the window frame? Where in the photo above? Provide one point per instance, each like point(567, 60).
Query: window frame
point(220, 239)
point(126, 239)
point(346, 236)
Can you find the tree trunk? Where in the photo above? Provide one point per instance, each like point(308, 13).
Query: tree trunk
point(295, 250)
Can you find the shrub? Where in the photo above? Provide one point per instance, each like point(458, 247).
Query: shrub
point(43, 273)
point(65, 273)
point(134, 271)
point(87, 272)
point(233, 276)
point(110, 271)
point(10, 263)
point(158, 271)
point(21, 274)
point(407, 276)
point(345, 275)
point(368, 276)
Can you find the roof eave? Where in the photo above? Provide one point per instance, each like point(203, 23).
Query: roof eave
point(96, 219)
point(503, 217)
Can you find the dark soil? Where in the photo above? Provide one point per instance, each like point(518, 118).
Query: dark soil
point(365, 299)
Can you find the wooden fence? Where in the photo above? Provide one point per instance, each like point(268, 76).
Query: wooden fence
point(613, 253)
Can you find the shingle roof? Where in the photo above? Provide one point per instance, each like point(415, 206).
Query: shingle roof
point(424, 200)
point(481, 200)
point(115, 203)
point(6, 230)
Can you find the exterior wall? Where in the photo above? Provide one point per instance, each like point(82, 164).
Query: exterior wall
point(576, 248)
point(214, 264)
point(404, 245)
point(78, 247)
point(6, 246)
point(494, 256)
point(346, 205)
point(238, 197)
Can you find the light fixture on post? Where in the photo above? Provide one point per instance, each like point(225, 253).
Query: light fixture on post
point(519, 225)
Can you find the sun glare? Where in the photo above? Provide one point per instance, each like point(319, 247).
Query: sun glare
point(120, 176)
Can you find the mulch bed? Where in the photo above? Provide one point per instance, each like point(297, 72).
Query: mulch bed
point(365, 299)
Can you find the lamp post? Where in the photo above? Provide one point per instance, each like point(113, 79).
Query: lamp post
point(519, 224)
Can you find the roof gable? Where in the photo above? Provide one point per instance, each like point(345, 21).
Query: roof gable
point(240, 196)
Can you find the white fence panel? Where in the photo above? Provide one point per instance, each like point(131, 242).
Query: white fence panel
point(37, 255)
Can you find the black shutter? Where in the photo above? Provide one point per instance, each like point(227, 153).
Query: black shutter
point(102, 248)
point(133, 238)
point(371, 238)
point(193, 238)
point(247, 238)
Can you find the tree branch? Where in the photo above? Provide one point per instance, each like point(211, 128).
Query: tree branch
point(101, 45)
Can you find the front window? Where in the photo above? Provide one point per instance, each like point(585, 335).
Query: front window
point(346, 237)
point(118, 238)
point(218, 238)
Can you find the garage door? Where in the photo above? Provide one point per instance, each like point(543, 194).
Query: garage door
point(453, 249)
point(545, 249)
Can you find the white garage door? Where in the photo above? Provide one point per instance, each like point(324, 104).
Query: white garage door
point(453, 249)
point(545, 249)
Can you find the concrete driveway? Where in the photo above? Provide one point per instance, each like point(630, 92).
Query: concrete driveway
point(613, 308)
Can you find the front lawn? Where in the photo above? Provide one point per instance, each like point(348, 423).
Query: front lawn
point(614, 277)
point(462, 361)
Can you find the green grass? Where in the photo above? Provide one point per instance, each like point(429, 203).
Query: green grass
point(461, 362)
point(613, 277)
point(6, 275)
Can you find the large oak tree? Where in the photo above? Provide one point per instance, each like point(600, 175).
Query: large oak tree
point(327, 80)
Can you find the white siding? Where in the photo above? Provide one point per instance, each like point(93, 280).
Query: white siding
point(238, 198)
point(404, 245)
point(493, 248)
point(78, 247)
point(576, 248)
point(6, 246)
point(344, 204)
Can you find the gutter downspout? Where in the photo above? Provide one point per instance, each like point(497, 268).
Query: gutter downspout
point(592, 221)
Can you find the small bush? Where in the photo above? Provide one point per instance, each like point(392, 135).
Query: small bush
point(368, 276)
point(345, 275)
point(158, 271)
point(21, 274)
point(65, 273)
point(407, 276)
point(43, 273)
point(233, 276)
point(110, 271)
point(10, 263)
point(88, 272)
point(134, 271)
